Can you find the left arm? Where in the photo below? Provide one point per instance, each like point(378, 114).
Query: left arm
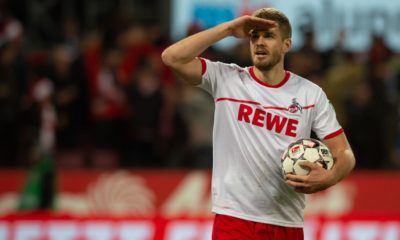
point(319, 178)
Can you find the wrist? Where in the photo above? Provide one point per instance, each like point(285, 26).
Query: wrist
point(333, 177)
point(227, 28)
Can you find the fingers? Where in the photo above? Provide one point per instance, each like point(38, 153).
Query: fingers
point(296, 184)
point(242, 27)
point(300, 187)
point(299, 184)
point(305, 184)
point(262, 22)
point(308, 165)
point(296, 180)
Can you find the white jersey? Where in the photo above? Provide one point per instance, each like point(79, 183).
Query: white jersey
point(253, 124)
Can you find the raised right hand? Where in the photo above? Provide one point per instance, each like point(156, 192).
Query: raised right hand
point(241, 27)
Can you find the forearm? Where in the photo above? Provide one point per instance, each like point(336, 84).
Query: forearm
point(345, 162)
point(189, 48)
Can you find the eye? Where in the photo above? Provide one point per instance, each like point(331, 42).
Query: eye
point(254, 35)
point(269, 35)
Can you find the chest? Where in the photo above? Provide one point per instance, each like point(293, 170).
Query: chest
point(286, 111)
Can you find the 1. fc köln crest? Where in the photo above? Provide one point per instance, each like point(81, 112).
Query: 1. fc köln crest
point(295, 106)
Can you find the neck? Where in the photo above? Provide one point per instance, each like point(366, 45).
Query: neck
point(272, 77)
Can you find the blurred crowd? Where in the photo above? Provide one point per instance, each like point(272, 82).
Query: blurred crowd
point(101, 97)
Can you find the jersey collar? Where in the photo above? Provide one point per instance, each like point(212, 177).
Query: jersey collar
point(280, 84)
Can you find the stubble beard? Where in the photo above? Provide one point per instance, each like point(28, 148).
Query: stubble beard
point(268, 65)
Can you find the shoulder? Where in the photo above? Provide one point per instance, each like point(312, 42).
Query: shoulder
point(304, 84)
point(221, 66)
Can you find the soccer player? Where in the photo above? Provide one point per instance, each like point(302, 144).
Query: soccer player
point(259, 111)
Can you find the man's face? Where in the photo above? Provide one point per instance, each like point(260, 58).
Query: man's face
point(267, 48)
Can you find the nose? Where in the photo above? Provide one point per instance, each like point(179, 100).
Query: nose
point(258, 40)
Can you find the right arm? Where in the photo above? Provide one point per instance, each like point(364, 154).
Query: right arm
point(181, 57)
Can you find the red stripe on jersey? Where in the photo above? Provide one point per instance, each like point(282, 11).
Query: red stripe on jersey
point(310, 106)
point(237, 100)
point(334, 134)
point(203, 66)
point(280, 84)
point(276, 108)
point(257, 103)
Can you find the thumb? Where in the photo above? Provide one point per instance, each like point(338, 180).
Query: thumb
point(307, 164)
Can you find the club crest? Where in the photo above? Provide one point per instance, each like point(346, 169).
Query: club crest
point(295, 106)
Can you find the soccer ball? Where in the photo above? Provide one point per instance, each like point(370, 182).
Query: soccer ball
point(305, 150)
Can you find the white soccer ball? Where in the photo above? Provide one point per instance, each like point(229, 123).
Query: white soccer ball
point(305, 150)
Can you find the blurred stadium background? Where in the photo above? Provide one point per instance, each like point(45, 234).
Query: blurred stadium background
point(98, 140)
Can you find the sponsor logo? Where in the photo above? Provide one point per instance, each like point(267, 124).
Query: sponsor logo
point(267, 120)
point(295, 149)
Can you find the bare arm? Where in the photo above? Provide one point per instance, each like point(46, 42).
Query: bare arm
point(181, 57)
point(345, 160)
point(319, 179)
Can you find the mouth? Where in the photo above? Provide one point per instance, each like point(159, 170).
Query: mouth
point(261, 53)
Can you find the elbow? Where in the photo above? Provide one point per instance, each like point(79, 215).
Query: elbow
point(167, 58)
point(172, 59)
point(354, 162)
point(352, 159)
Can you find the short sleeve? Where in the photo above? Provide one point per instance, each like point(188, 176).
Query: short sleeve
point(325, 123)
point(214, 74)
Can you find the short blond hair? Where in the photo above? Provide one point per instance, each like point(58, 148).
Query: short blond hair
point(277, 16)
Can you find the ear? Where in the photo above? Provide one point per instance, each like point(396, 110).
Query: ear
point(287, 45)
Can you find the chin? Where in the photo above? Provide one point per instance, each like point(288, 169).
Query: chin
point(265, 66)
